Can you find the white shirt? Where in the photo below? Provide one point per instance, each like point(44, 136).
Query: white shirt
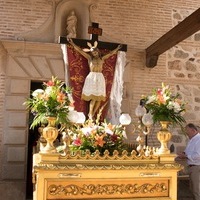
point(193, 150)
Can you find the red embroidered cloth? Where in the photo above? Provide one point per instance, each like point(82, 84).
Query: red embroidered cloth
point(79, 69)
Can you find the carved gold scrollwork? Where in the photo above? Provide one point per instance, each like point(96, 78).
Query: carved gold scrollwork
point(109, 166)
point(106, 189)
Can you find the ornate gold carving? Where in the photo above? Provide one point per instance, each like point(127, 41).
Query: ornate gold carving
point(105, 166)
point(86, 160)
point(107, 189)
point(86, 155)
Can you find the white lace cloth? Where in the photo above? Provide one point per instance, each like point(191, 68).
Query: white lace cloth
point(94, 87)
point(117, 89)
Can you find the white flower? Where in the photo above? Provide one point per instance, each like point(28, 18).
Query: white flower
point(170, 105)
point(124, 134)
point(174, 106)
point(86, 130)
point(107, 130)
point(151, 99)
point(48, 90)
point(38, 93)
point(166, 97)
point(177, 107)
point(165, 88)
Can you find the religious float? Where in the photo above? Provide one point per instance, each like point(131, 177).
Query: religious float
point(92, 160)
point(86, 176)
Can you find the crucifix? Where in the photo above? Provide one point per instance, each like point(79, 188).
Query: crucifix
point(98, 80)
point(95, 31)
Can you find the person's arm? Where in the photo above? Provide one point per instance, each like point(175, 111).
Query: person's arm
point(77, 48)
point(182, 155)
point(112, 52)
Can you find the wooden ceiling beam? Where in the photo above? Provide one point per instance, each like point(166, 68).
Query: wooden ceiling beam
point(184, 29)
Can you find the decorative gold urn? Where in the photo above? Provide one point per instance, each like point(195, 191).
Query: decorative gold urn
point(164, 137)
point(50, 133)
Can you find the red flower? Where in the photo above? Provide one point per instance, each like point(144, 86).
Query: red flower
point(49, 83)
point(114, 137)
point(77, 142)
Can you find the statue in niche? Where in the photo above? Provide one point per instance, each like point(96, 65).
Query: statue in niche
point(71, 23)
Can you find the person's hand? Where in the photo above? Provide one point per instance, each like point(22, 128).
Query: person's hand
point(120, 46)
point(70, 40)
point(182, 155)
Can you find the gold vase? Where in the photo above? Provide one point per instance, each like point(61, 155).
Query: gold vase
point(50, 133)
point(164, 137)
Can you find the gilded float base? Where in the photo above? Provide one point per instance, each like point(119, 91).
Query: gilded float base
point(93, 177)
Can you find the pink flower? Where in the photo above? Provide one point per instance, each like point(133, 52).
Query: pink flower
point(49, 83)
point(77, 142)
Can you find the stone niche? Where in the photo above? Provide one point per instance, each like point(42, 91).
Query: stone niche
point(55, 25)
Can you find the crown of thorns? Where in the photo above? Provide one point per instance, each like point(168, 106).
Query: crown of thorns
point(92, 48)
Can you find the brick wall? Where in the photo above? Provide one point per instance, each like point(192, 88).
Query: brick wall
point(18, 16)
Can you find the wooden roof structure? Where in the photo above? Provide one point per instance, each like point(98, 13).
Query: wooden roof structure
point(184, 29)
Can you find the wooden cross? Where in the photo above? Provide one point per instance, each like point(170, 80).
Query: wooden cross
point(95, 31)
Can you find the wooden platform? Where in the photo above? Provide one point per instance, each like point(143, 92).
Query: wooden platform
point(94, 177)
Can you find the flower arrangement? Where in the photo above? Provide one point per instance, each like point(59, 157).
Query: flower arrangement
point(54, 100)
point(97, 136)
point(164, 106)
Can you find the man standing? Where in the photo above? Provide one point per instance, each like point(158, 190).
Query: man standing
point(192, 154)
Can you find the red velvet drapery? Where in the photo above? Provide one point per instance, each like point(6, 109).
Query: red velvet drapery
point(78, 70)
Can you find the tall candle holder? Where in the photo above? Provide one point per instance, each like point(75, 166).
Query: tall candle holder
point(145, 122)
